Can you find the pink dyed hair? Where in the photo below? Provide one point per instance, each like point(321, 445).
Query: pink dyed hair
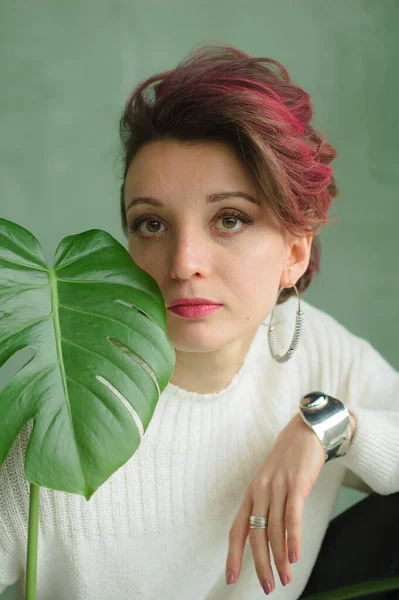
point(220, 93)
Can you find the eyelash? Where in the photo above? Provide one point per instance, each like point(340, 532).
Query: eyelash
point(133, 228)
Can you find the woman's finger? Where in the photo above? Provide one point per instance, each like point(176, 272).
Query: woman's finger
point(259, 540)
point(277, 531)
point(293, 522)
point(237, 538)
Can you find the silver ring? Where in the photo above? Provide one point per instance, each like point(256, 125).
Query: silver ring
point(258, 522)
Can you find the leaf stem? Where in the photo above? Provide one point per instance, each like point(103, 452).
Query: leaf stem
point(31, 563)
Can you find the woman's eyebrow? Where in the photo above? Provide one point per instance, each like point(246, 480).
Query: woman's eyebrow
point(209, 199)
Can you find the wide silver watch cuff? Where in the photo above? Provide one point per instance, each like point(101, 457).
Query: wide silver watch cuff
point(330, 420)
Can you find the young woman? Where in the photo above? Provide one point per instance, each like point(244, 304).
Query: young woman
point(226, 188)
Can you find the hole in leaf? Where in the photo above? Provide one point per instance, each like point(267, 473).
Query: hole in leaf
point(134, 308)
point(122, 398)
point(134, 356)
point(14, 364)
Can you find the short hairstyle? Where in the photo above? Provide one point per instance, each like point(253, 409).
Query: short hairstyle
point(220, 93)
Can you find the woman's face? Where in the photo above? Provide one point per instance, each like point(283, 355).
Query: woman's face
point(230, 251)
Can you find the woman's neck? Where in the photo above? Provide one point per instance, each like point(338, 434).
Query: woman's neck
point(210, 372)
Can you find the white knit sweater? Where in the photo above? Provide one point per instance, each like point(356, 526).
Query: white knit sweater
point(158, 528)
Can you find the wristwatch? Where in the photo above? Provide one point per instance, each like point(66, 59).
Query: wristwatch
point(330, 421)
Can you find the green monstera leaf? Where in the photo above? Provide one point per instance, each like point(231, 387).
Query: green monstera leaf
point(97, 325)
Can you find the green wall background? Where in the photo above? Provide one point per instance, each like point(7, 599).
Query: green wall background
point(66, 69)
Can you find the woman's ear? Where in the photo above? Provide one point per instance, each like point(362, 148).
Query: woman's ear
point(297, 260)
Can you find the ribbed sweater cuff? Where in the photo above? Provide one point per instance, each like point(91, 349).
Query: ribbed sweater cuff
point(374, 451)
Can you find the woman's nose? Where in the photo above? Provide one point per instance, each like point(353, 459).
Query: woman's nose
point(189, 255)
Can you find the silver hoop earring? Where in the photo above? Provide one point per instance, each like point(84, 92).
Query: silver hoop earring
point(295, 338)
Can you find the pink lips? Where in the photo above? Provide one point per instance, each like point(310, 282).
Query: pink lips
point(194, 311)
point(191, 301)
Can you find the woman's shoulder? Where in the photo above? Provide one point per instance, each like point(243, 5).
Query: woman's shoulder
point(323, 336)
point(315, 319)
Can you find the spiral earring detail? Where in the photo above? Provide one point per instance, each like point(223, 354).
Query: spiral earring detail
point(295, 338)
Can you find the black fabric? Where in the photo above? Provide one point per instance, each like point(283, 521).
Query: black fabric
point(360, 544)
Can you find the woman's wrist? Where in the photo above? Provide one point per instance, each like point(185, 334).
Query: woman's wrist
point(352, 420)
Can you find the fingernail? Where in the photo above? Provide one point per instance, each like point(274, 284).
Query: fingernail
point(292, 557)
point(284, 579)
point(229, 577)
point(267, 588)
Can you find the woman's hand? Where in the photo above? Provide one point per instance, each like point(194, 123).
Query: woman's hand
point(278, 492)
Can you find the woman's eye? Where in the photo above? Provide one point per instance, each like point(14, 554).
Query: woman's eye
point(151, 224)
point(151, 227)
point(230, 221)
